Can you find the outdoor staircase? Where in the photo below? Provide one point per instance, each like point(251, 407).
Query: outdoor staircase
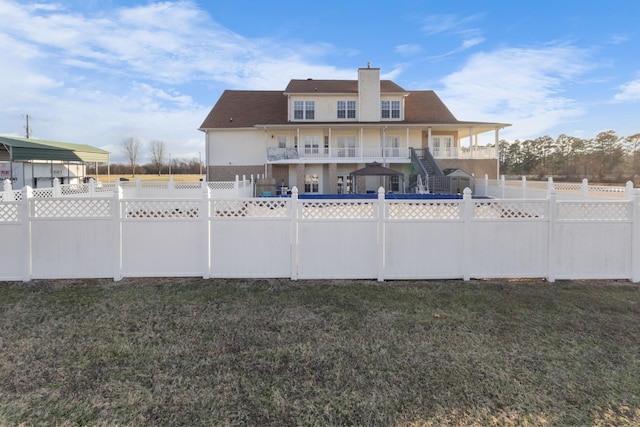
point(431, 176)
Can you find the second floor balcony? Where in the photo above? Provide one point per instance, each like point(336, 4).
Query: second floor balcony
point(370, 154)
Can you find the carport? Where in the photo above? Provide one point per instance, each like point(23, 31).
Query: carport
point(25, 161)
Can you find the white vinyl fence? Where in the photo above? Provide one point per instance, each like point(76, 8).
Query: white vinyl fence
point(301, 238)
point(523, 189)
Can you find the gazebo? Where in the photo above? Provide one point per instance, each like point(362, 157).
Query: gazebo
point(376, 169)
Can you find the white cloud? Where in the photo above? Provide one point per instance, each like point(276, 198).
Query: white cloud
point(519, 86)
point(629, 92)
point(408, 49)
point(448, 23)
point(126, 72)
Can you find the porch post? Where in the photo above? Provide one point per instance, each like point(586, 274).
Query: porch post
point(471, 142)
point(407, 147)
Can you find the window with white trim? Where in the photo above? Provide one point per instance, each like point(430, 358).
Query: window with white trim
point(311, 145)
point(441, 146)
point(346, 109)
point(311, 183)
point(390, 109)
point(304, 110)
point(346, 146)
point(345, 184)
point(282, 142)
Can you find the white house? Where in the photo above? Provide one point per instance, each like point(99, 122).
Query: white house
point(315, 133)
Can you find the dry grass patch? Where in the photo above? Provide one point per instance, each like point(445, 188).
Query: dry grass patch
point(276, 352)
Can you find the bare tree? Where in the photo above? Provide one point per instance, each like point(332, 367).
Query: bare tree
point(158, 154)
point(132, 148)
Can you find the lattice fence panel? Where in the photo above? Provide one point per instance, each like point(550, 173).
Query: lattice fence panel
point(69, 208)
point(264, 208)
point(170, 209)
point(186, 185)
point(510, 210)
point(154, 185)
point(424, 210)
point(594, 211)
point(337, 210)
point(221, 185)
point(42, 193)
point(573, 187)
point(74, 189)
point(8, 212)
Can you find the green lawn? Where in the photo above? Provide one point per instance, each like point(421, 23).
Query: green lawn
point(275, 352)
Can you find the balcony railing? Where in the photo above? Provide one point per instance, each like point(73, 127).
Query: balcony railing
point(464, 153)
point(275, 154)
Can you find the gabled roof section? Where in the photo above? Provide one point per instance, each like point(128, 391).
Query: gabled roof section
point(249, 108)
point(336, 86)
point(23, 149)
point(246, 108)
point(424, 106)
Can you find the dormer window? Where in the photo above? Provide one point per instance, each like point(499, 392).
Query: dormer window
point(390, 109)
point(304, 110)
point(346, 109)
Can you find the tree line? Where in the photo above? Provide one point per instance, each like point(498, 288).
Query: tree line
point(160, 161)
point(605, 158)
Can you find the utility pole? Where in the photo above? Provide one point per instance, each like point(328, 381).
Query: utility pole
point(28, 129)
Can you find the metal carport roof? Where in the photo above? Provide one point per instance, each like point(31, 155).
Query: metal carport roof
point(23, 149)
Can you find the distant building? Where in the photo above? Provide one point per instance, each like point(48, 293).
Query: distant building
point(316, 132)
point(35, 162)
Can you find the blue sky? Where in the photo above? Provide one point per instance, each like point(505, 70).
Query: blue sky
point(100, 71)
